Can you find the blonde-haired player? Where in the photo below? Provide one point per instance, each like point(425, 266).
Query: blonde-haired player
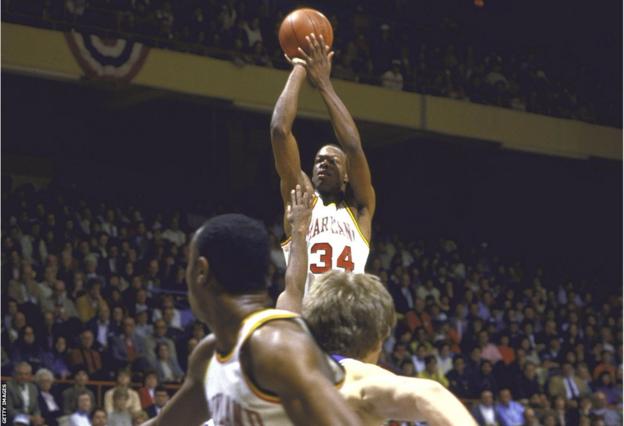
point(350, 315)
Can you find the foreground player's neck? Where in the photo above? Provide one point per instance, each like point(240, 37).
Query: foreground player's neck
point(229, 311)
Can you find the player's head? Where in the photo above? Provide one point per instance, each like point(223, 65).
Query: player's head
point(329, 174)
point(349, 314)
point(228, 254)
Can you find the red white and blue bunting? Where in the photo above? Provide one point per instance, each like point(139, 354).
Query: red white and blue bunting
point(107, 59)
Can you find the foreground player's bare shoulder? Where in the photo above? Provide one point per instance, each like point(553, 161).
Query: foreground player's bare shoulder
point(287, 363)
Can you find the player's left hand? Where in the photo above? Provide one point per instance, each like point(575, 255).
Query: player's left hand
point(299, 210)
point(318, 60)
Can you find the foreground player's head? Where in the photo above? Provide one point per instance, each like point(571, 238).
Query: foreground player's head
point(349, 314)
point(229, 254)
point(329, 174)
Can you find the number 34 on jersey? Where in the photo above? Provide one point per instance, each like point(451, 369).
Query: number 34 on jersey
point(334, 241)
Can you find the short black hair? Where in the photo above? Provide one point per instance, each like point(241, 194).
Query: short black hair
point(237, 249)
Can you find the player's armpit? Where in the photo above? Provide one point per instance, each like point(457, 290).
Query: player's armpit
point(189, 406)
point(287, 363)
point(407, 398)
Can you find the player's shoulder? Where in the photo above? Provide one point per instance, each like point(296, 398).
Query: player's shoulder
point(278, 336)
point(358, 370)
point(200, 357)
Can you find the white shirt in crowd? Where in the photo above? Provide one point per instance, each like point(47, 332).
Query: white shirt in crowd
point(488, 414)
point(392, 80)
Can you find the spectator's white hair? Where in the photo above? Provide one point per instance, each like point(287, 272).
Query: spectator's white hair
point(43, 373)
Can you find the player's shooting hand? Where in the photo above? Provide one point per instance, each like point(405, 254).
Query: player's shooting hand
point(318, 61)
point(299, 210)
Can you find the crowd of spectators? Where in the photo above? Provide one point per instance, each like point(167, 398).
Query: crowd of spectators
point(485, 328)
point(437, 58)
point(96, 291)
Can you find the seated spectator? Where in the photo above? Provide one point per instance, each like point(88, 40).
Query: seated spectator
point(606, 364)
point(584, 375)
point(81, 417)
point(143, 327)
point(444, 358)
point(59, 299)
point(612, 392)
point(567, 385)
point(159, 336)
point(57, 359)
point(85, 357)
point(527, 386)
point(146, 393)
point(27, 349)
point(49, 333)
point(549, 419)
point(392, 78)
point(167, 367)
point(141, 302)
point(431, 371)
point(531, 353)
point(484, 412)
point(21, 396)
point(507, 353)
point(161, 397)
point(459, 380)
point(486, 380)
point(117, 321)
point(89, 303)
point(564, 415)
point(48, 399)
point(128, 347)
point(585, 407)
point(175, 320)
point(553, 355)
point(510, 412)
point(101, 327)
point(99, 418)
point(530, 418)
point(120, 416)
point(123, 381)
point(489, 351)
point(70, 395)
point(428, 289)
point(174, 233)
point(402, 295)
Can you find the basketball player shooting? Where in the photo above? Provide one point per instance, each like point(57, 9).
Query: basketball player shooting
point(344, 198)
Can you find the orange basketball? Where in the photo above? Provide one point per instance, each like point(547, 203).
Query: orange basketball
point(300, 23)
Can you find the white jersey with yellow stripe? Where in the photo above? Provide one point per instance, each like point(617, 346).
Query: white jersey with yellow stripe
point(232, 397)
point(335, 241)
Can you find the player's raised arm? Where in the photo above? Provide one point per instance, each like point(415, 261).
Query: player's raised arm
point(298, 214)
point(318, 66)
point(188, 406)
point(285, 149)
point(287, 363)
point(406, 398)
